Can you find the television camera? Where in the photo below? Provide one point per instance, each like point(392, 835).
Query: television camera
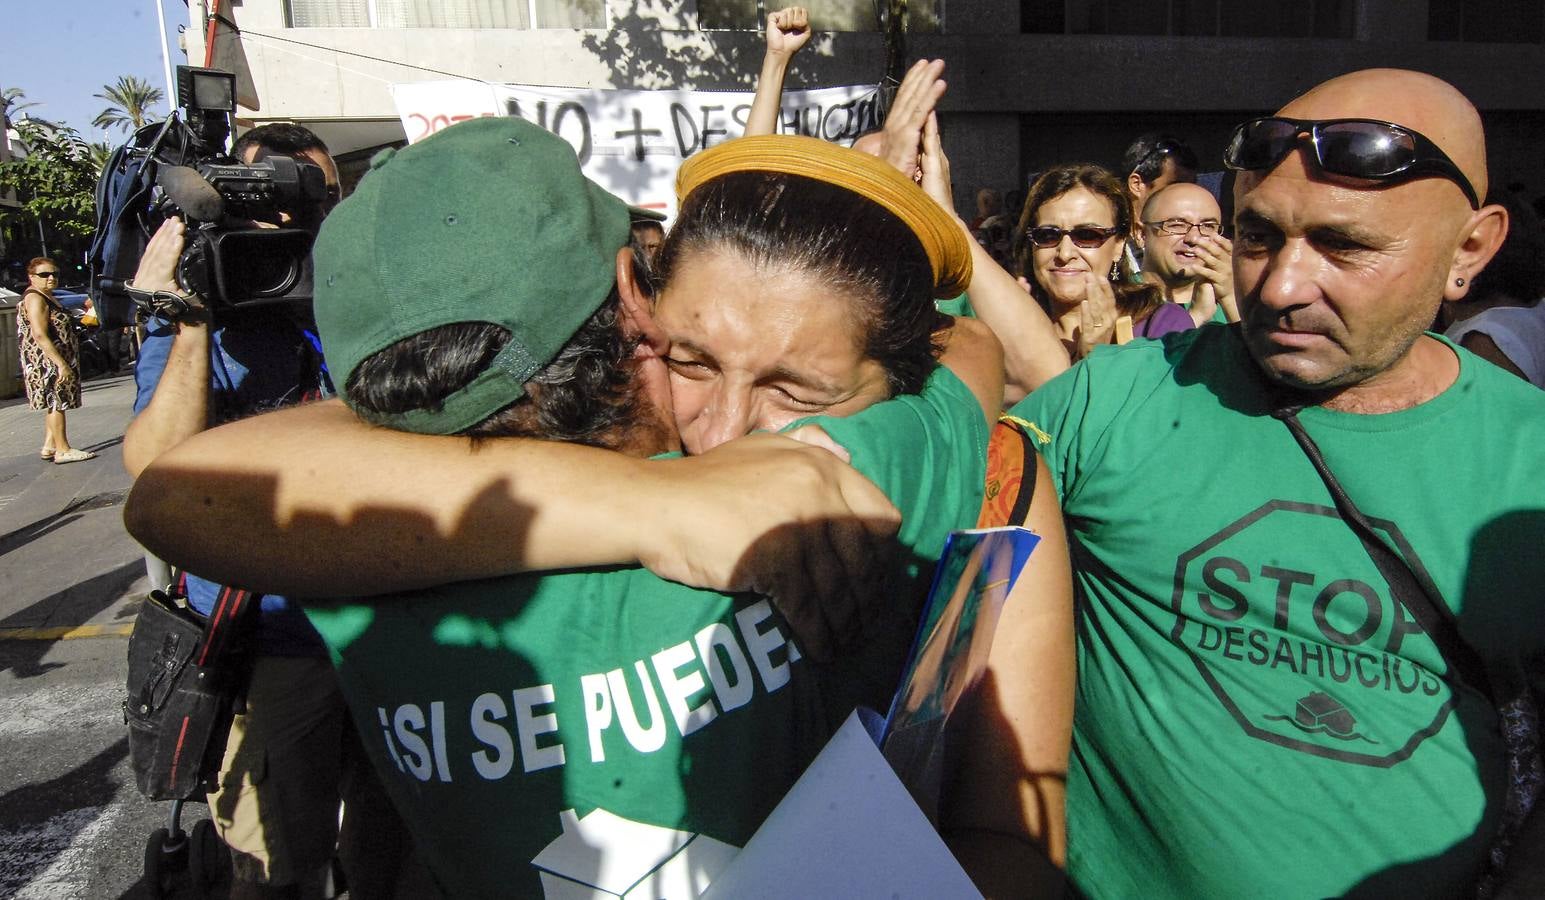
point(240, 251)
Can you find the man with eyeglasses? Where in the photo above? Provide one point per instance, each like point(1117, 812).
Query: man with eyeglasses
point(1185, 249)
point(1308, 544)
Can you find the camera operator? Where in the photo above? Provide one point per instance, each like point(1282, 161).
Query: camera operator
point(292, 749)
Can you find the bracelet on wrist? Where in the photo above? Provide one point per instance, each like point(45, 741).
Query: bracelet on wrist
point(169, 304)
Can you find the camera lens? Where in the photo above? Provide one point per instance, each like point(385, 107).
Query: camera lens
point(262, 264)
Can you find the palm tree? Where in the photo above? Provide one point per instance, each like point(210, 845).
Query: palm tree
point(98, 152)
point(11, 101)
point(131, 97)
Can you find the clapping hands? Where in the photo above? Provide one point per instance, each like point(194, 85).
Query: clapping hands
point(1214, 280)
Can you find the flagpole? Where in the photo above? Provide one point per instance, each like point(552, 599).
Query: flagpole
point(166, 60)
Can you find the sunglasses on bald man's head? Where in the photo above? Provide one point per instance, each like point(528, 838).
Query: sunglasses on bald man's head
point(1355, 148)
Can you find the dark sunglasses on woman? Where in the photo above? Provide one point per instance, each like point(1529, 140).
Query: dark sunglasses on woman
point(1086, 237)
point(1355, 148)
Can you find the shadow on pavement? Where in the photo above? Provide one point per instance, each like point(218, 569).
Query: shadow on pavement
point(99, 446)
point(85, 599)
point(39, 808)
point(26, 534)
point(89, 784)
point(101, 382)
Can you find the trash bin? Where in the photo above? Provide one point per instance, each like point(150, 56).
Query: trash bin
point(10, 354)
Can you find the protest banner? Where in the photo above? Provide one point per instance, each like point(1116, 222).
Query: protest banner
point(631, 142)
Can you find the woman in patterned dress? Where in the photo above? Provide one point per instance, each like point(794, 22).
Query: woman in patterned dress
point(49, 357)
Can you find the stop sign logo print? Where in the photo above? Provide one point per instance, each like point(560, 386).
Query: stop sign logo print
point(1301, 640)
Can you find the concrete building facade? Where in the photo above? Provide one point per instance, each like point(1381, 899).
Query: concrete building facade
point(1031, 82)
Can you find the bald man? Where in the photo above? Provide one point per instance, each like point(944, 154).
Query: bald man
point(1184, 247)
point(1267, 705)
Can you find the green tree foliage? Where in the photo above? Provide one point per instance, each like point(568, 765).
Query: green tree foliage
point(56, 181)
point(98, 152)
point(131, 98)
point(12, 100)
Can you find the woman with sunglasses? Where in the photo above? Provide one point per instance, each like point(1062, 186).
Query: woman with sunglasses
point(1069, 248)
point(49, 359)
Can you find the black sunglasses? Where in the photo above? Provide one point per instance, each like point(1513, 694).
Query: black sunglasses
point(1356, 148)
point(1086, 237)
point(46, 274)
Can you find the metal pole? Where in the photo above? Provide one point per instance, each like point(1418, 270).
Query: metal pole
point(166, 60)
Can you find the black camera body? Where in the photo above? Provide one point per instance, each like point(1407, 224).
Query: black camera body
point(180, 168)
point(239, 266)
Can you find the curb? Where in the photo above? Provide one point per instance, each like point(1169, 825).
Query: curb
point(65, 632)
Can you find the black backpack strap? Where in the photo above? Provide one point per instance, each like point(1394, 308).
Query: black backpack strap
point(232, 622)
point(1412, 586)
point(1027, 485)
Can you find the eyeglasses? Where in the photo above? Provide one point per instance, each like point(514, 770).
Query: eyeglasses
point(1182, 227)
point(1086, 237)
point(46, 274)
point(1356, 148)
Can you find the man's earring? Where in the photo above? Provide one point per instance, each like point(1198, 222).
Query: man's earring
point(1459, 282)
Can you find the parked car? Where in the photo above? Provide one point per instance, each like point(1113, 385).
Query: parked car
point(73, 301)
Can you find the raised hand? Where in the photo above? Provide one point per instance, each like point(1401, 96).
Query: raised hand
point(935, 167)
point(1204, 303)
point(1215, 269)
point(919, 93)
point(788, 30)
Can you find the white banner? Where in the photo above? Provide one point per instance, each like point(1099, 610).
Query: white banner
point(631, 142)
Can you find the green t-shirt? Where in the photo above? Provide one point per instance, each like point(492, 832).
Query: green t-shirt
point(524, 725)
point(1218, 315)
point(959, 305)
point(1256, 716)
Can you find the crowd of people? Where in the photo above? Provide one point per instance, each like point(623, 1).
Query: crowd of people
point(612, 522)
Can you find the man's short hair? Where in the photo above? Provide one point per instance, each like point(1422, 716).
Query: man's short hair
point(1146, 155)
point(584, 395)
point(281, 137)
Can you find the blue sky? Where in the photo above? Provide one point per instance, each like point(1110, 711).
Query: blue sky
point(61, 53)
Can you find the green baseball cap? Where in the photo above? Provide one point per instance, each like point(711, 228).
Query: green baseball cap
point(490, 220)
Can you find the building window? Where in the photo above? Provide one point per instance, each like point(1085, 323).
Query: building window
point(825, 15)
point(1486, 21)
point(446, 13)
point(1190, 18)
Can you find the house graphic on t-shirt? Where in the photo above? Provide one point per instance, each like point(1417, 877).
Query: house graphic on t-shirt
point(604, 855)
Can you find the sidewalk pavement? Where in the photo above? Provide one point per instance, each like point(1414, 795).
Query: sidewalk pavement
point(65, 560)
point(72, 823)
